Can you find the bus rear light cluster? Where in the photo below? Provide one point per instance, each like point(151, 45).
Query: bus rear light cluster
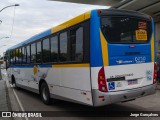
point(102, 81)
point(155, 74)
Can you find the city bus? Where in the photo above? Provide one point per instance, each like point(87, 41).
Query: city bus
point(101, 57)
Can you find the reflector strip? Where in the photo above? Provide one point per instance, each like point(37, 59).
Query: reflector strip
point(70, 65)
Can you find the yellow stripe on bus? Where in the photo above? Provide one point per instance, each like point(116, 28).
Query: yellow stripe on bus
point(72, 22)
point(104, 46)
point(70, 65)
point(152, 48)
point(87, 15)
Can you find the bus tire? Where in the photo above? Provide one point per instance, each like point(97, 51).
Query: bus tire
point(44, 93)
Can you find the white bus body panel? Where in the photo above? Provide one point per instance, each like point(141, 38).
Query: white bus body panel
point(131, 72)
point(119, 91)
point(143, 73)
point(73, 84)
point(69, 83)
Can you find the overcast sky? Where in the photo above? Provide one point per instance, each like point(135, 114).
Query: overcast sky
point(33, 17)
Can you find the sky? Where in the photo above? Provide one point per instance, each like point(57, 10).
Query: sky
point(33, 17)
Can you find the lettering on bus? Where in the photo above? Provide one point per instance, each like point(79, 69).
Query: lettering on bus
point(124, 62)
point(142, 25)
point(140, 59)
point(119, 77)
point(124, 75)
point(141, 35)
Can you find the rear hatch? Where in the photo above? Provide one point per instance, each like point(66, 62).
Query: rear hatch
point(129, 52)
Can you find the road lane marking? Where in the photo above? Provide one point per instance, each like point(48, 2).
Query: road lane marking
point(17, 98)
point(19, 102)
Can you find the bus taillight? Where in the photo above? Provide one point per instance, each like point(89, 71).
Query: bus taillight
point(155, 74)
point(102, 80)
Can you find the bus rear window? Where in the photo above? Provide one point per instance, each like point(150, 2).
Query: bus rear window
point(126, 29)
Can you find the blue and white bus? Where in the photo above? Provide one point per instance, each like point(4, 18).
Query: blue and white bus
point(98, 58)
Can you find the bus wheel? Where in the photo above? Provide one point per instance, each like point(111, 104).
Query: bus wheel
point(44, 92)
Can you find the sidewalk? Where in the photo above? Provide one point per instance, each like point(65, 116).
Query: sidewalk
point(4, 104)
point(3, 96)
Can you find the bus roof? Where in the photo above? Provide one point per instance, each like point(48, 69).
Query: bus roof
point(36, 37)
point(55, 29)
point(74, 21)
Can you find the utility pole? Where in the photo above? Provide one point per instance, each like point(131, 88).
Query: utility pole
point(1, 62)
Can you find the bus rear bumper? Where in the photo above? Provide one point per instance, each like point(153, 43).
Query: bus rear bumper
point(101, 98)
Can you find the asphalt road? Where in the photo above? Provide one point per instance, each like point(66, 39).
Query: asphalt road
point(29, 101)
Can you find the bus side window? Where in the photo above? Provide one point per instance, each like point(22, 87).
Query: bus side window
point(23, 55)
point(46, 51)
point(28, 54)
point(76, 44)
point(63, 47)
point(39, 52)
point(7, 58)
point(19, 55)
point(14, 57)
point(86, 41)
point(11, 57)
point(33, 53)
point(54, 49)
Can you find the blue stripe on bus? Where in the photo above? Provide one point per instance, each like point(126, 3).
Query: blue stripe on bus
point(95, 44)
point(31, 66)
point(36, 37)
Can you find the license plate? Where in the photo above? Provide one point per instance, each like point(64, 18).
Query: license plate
point(132, 82)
